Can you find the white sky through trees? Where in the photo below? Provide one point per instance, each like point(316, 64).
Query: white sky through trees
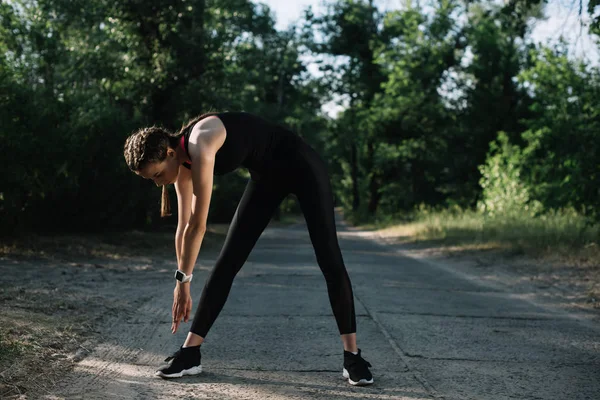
point(563, 19)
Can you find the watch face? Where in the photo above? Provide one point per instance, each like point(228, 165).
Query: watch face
point(179, 275)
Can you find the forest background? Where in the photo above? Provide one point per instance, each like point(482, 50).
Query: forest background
point(452, 119)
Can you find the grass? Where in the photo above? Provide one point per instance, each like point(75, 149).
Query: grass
point(9, 348)
point(34, 350)
point(563, 235)
point(561, 248)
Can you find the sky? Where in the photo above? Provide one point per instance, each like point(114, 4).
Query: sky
point(562, 19)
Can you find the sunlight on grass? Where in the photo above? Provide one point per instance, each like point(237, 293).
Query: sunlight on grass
point(564, 235)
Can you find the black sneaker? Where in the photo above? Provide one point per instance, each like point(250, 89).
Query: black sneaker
point(185, 361)
point(356, 369)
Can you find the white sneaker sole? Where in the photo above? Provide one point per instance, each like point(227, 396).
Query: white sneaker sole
point(191, 371)
point(362, 382)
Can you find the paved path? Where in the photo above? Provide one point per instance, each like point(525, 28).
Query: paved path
point(427, 331)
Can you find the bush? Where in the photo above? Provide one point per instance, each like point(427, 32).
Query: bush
point(504, 191)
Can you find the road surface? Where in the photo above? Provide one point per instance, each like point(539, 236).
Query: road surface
point(428, 331)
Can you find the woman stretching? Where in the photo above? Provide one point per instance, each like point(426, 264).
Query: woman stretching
point(280, 162)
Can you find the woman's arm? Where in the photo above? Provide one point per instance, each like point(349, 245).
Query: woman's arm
point(185, 192)
point(206, 139)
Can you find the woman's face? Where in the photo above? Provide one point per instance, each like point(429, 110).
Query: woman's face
point(164, 172)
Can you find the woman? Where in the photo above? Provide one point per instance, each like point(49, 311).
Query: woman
point(280, 163)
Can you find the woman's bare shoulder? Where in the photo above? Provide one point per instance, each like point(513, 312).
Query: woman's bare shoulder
point(208, 135)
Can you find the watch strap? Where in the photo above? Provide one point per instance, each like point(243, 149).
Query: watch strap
point(182, 277)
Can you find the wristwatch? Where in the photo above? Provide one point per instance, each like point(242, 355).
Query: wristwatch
point(182, 277)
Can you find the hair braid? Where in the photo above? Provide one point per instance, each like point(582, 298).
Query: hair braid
point(149, 145)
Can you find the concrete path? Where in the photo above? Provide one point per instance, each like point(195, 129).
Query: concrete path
point(428, 332)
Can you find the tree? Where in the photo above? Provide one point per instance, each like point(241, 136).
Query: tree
point(350, 31)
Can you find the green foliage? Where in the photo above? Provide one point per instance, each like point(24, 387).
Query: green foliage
point(9, 349)
point(557, 165)
point(76, 77)
point(504, 191)
point(426, 96)
point(562, 136)
point(592, 6)
point(520, 231)
point(409, 114)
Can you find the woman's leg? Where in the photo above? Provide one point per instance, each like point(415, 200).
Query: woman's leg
point(256, 207)
point(316, 201)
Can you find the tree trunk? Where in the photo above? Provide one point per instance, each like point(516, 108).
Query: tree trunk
point(418, 177)
point(374, 182)
point(277, 214)
point(354, 169)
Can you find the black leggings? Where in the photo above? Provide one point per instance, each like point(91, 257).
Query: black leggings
point(305, 175)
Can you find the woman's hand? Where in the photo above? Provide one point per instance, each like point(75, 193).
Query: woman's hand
point(182, 305)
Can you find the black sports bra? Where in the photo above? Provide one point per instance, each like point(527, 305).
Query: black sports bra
point(251, 142)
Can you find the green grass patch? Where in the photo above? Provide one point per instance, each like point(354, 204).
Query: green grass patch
point(9, 349)
point(562, 233)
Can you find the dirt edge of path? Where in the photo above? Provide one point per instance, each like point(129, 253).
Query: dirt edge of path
point(57, 291)
point(563, 286)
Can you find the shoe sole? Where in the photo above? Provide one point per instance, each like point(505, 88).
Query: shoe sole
point(190, 371)
point(362, 382)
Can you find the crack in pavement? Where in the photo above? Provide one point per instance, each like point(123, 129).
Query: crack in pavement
point(432, 289)
point(401, 353)
point(553, 363)
point(549, 318)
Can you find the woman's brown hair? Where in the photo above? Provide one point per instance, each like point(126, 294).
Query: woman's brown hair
point(148, 145)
